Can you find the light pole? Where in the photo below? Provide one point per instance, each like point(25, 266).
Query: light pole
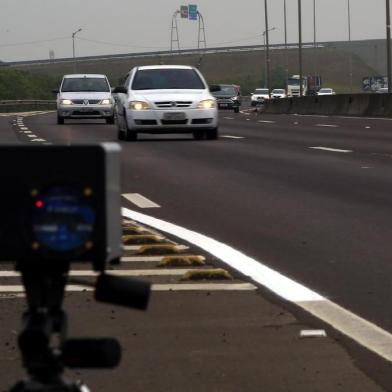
point(349, 42)
point(285, 42)
point(300, 47)
point(388, 12)
point(266, 46)
point(73, 48)
point(267, 59)
point(315, 41)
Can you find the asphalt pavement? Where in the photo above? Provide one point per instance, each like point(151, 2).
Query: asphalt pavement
point(306, 196)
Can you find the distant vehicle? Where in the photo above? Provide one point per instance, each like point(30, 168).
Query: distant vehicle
point(326, 91)
point(228, 97)
point(85, 96)
point(278, 93)
point(310, 85)
point(166, 99)
point(259, 96)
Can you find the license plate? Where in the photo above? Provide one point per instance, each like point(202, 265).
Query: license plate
point(172, 116)
point(224, 105)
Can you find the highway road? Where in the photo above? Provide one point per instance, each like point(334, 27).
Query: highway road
point(308, 196)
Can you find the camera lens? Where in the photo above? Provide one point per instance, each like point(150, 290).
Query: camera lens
point(63, 220)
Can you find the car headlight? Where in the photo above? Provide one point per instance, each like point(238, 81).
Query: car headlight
point(138, 105)
point(207, 104)
point(234, 98)
point(106, 101)
point(66, 102)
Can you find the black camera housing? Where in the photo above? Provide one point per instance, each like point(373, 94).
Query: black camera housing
point(60, 203)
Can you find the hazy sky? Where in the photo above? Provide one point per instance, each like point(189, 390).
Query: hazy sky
point(123, 26)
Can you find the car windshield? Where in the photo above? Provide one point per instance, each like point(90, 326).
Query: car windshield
point(293, 82)
point(278, 92)
point(167, 79)
point(85, 84)
point(227, 90)
point(261, 91)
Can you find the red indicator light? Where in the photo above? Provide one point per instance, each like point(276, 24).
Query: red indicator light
point(39, 203)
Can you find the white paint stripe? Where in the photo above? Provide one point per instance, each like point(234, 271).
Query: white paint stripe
point(331, 149)
point(137, 247)
point(232, 137)
point(31, 135)
point(38, 140)
point(154, 287)
point(262, 274)
point(24, 128)
point(327, 125)
point(365, 333)
point(229, 118)
point(267, 121)
point(140, 201)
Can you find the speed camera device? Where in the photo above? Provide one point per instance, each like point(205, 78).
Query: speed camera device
point(60, 203)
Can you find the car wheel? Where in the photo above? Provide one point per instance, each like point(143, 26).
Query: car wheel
point(110, 120)
point(131, 136)
point(253, 104)
point(120, 134)
point(237, 109)
point(198, 135)
point(212, 134)
point(60, 120)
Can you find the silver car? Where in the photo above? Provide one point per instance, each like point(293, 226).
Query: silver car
point(85, 96)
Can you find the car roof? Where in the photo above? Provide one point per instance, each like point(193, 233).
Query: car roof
point(143, 67)
point(84, 76)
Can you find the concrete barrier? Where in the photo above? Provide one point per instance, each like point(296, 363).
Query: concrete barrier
point(377, 105)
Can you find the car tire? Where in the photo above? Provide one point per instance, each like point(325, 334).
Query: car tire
point(110, 120)
point(212, 134)
point(131, 136)
point(60, 120)
point(253, 104)
point(198, 135)
point(237, 109)
point(120, 135)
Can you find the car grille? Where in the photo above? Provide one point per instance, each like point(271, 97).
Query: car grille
point(174, 122)
point(82, 101)
point(89, 113)
point(173, 104)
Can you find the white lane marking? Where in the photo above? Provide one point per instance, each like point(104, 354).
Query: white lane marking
point(24, 128)
point(26, 131)
point(248, 119)
point(31, 135)
point(362, 331)
point(296, 123)
point(267, 121)
point(367, 127)
point(312, 333)
point(232, 137)
point(137, 247)
point(154, 287)
point(38, 140)
point(229, 118)
point(140, 201)
point(327, 125)
point(331, 149)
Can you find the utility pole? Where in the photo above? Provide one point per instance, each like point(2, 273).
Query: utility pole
point(285, 42)
point(266, 46)
point(301, 89)
point(388, 12)
point(349, 41)
point(73, 48)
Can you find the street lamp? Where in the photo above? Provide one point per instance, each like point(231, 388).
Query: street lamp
point(388, 12)
point(267, 59)
point(73, 48)
point(301, 89)
point(349, 41)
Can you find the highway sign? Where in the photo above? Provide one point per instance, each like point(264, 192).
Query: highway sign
point(184, 11)
point(192, 12)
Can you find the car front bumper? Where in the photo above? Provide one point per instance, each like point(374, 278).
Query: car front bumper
point(176, 120)
point(83, 111)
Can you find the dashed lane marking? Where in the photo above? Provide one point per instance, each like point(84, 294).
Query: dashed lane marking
point(362, 331)
point(327, 125)
point(331, 149)
point(32, 136)
point(38, 140)
point(232, 137)
point(267, 121)
point(229, 118)
point(140, 201)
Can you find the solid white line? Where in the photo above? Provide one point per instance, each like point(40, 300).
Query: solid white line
point(140, 201)
point(232, 137)
point(327, 125)
point(331, 149)
point(362, 331)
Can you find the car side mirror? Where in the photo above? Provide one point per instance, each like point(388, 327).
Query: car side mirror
point(214, 88)
point(55, 91)
point(120, 90)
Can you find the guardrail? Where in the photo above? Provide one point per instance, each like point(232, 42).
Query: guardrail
point(379, 105)
point(26, 105)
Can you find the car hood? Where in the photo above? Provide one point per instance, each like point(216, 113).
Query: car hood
point(170, 95)
point(85, 95)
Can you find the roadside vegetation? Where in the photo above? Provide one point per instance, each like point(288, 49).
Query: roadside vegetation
point(20, 84)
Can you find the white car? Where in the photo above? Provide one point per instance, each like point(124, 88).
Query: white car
point(166, 99)
point(259, 96)
point(326, 91)
point(278, 93)
point(85, 96)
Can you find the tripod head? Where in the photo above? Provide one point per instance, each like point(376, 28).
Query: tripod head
point(62, 207)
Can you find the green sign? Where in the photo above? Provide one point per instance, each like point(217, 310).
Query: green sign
point(192, 12)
